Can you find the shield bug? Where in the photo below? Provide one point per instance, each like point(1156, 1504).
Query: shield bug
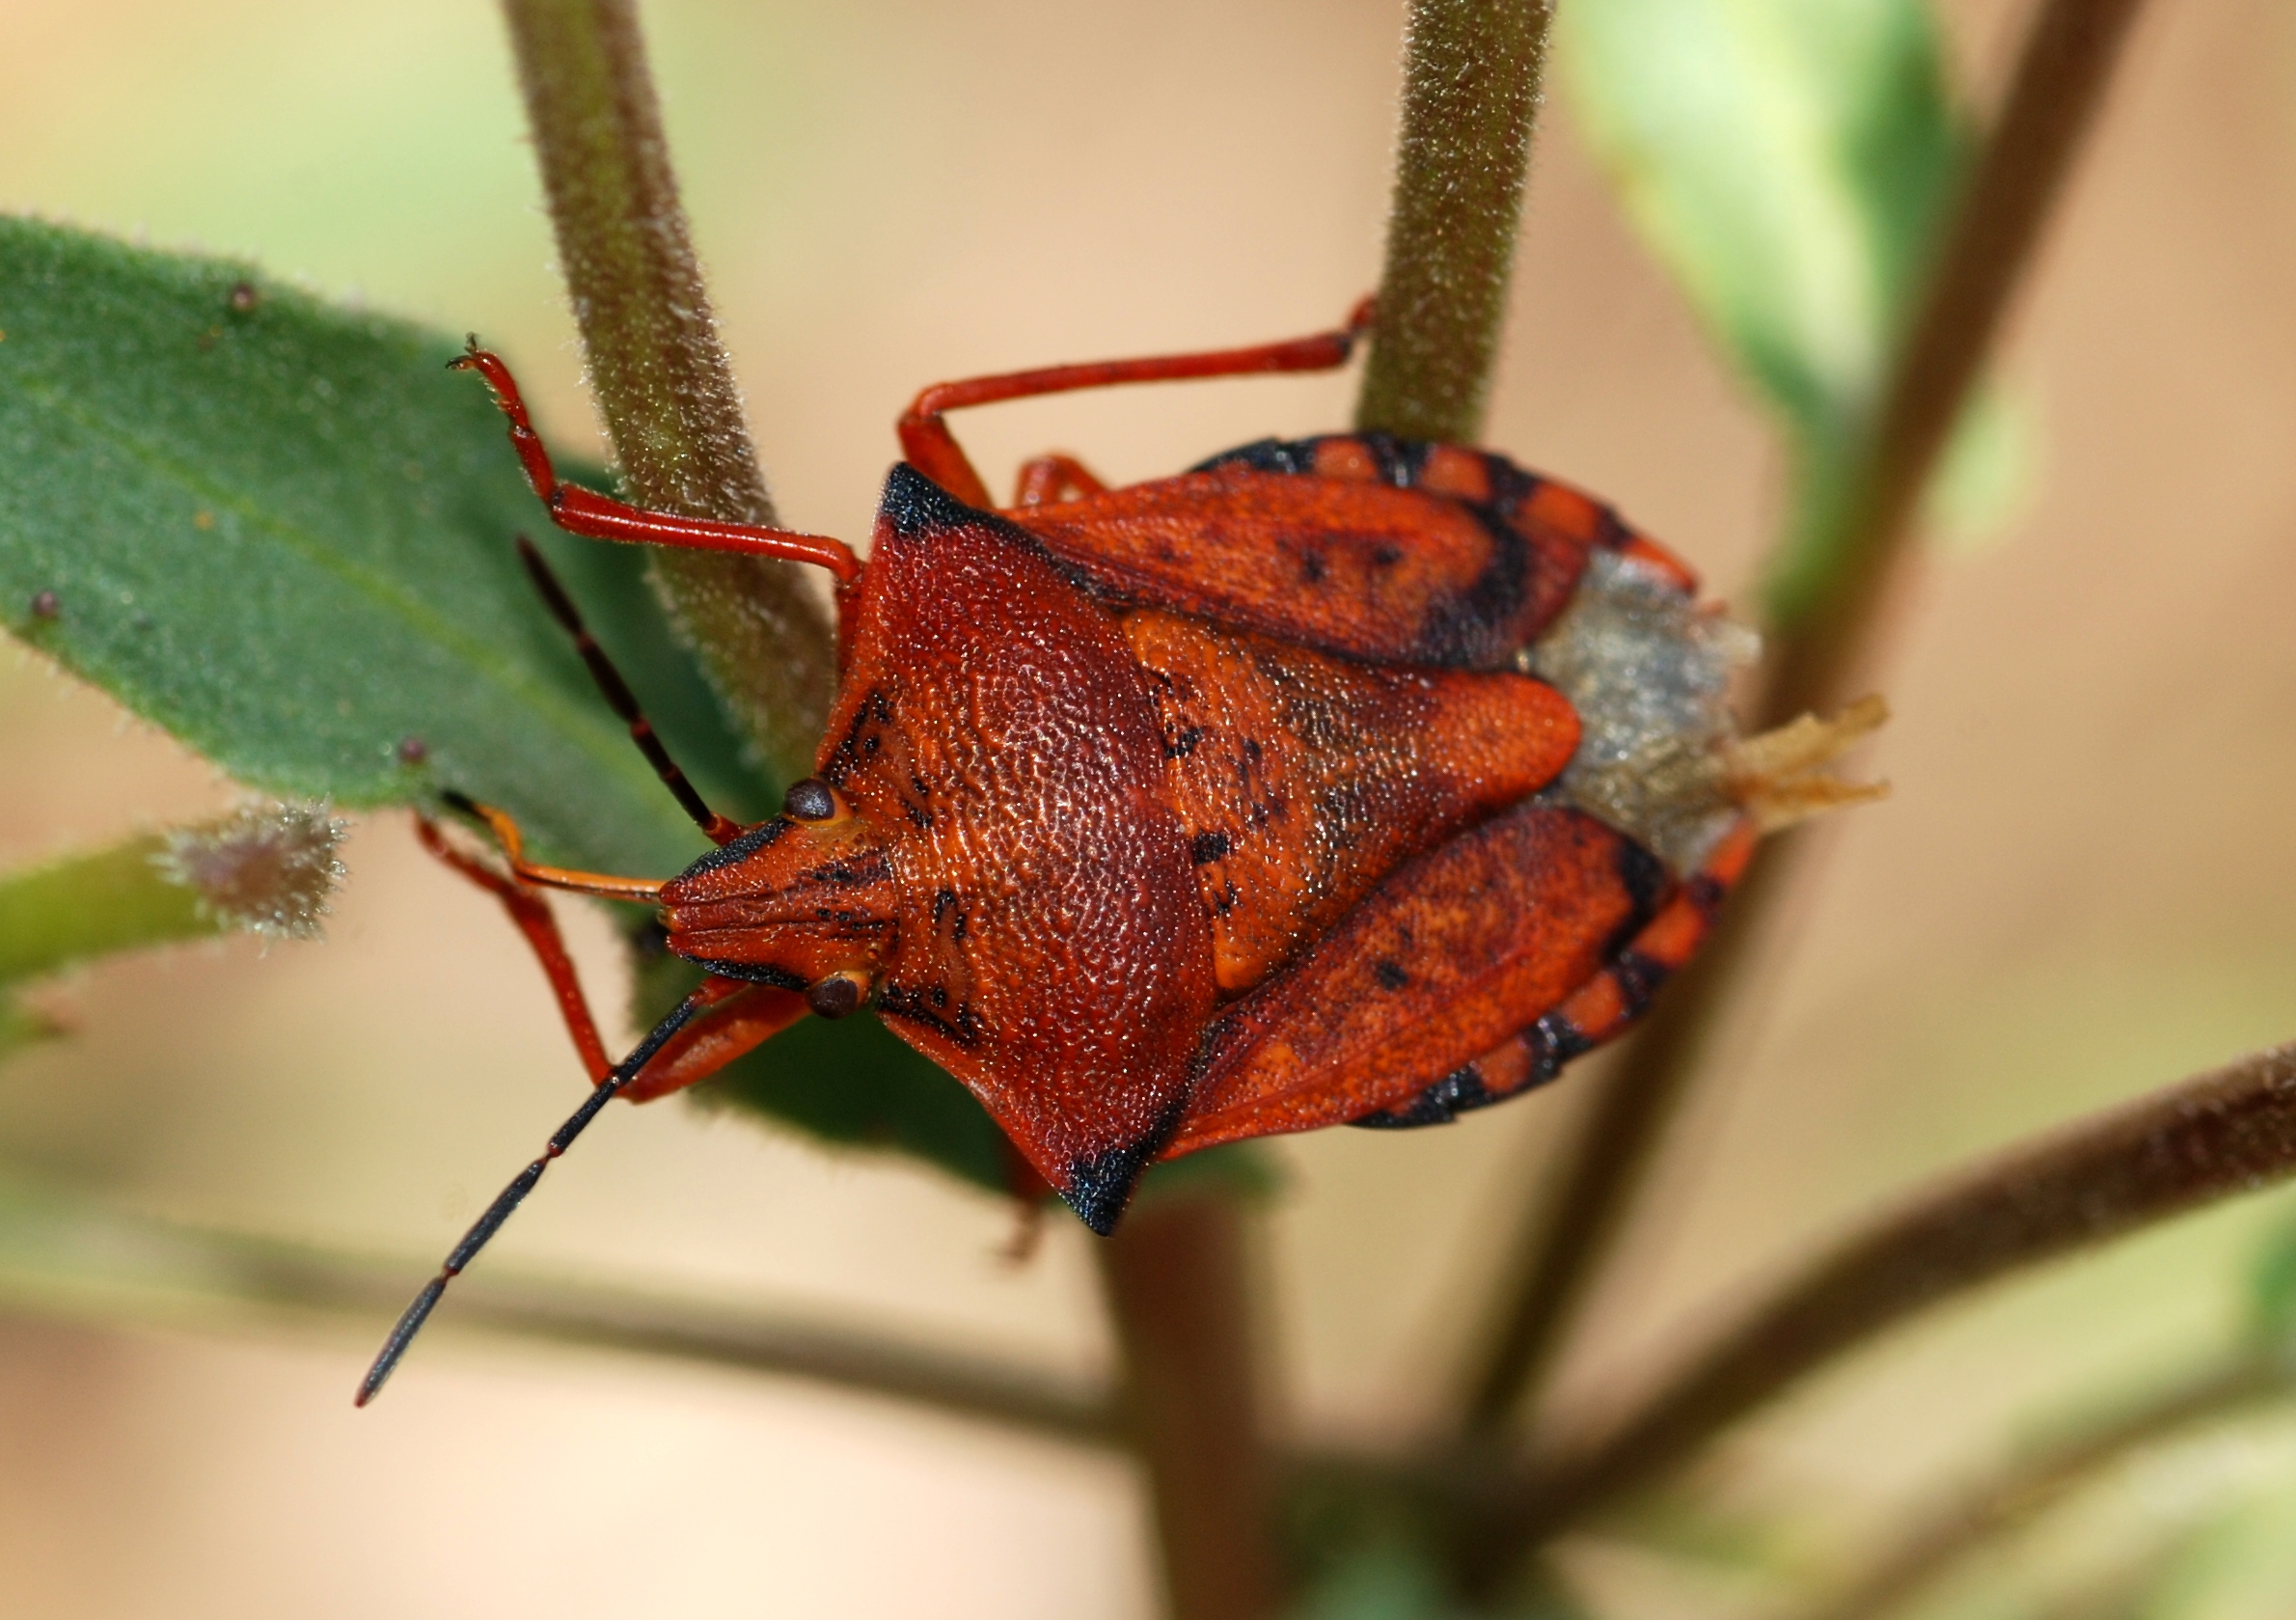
point(1339, 780)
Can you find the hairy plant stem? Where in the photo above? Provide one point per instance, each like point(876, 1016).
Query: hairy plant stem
point(1175, 1273)
point(662, 379)
point(2219, 1134)
point(1472, 77)
point(1983, 1512)
point(75, 1258)
point(2060, 81)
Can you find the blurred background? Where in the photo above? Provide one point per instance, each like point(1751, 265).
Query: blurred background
point(2082, 888)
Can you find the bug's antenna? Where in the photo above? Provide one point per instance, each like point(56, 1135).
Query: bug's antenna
point(619, 698)
point(482, 1231)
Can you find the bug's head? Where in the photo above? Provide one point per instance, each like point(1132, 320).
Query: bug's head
point(805, 902)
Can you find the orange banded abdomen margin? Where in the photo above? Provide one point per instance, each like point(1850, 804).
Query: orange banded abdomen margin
point(1600, 1010)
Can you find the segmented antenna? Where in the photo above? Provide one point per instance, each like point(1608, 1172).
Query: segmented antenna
point(482, 1231)
point(619, 698)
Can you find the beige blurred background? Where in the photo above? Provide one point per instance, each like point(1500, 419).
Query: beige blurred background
point(2083, 886)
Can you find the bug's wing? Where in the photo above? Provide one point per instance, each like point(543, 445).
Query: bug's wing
point(1456, 955)
point(1349, 564)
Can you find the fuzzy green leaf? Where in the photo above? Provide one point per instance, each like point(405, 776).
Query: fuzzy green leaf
point(1792, 162)
point(281, 531)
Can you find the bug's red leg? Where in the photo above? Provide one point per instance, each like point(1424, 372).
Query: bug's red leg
point(585, 511)
point(930, 446)
point(599, 885)
point(1055, 478)
point(618, 697)
point(747, 1018)
point(531, 914)
point(746, 1014)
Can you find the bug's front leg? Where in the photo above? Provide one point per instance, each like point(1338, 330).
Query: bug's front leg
point(749, 1016)
point(739, 1017)
point(585, 511)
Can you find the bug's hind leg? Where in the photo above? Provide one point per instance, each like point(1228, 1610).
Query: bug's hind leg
point(1048, 479)
point(929, 445)
point(585, 511)
point(740, 1017)
point(731, 1029)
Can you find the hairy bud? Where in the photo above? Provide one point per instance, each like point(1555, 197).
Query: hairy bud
point(267, 870)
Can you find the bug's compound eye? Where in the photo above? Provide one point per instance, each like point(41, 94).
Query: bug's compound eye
point(838, 995)
point(812, 800)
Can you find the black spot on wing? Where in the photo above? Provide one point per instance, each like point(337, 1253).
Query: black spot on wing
point(1456, 1093)
point(1648, 885)
point(1399, 460)
point(1465, 1088)
point(1647, 880)
point(1563, 1038)
point(1470, 628)
point(1638, 979)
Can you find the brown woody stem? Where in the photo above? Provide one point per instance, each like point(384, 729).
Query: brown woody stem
point(662, 379)
point(2227, 1132)
point(1175, 1276)
point(2060, 82)
point(1982, 1513)
point(1471, 76)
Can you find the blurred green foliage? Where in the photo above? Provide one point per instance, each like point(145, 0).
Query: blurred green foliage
point(1791, 163)
point(280, 531)
point(2272, 1290)
point(55, 916)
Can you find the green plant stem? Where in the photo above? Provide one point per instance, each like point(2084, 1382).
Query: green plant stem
point(1982, 1513)
point(662, 379)
point(2219, 1134)
point(1179, 1296)
point(2059, 84)
point(66, 1256)
point(1472, 77)
point(85, 906)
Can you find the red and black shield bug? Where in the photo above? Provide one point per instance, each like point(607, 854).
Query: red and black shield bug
point(1343, 780)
